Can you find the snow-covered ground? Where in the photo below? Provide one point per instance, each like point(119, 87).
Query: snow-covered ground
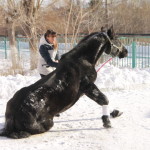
point(80, 128)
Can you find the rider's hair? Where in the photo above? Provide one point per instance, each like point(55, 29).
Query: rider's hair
point(51, 33)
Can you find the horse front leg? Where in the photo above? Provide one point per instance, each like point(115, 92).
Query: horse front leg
point(95, 94)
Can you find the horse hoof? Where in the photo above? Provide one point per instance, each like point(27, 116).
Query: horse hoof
point(107, 125)
point(115, 113)
point(106, 122)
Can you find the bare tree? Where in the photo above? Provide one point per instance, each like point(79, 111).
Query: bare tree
point(130, 17)
point(30, 15)
point(10, 11)
point(74, 17)
point(96, 18)
point(70, 17)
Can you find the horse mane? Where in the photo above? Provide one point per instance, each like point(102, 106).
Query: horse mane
point(86, 37)
point(79, 43)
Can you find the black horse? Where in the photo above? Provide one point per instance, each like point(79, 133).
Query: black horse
point(31, 110)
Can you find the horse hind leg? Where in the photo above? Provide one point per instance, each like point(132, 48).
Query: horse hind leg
point(17, 129)
point(19, 135)
point(14, 135)
point(35, 129)
point(2, 132)
point(47, 125)
point(10, 131)
point(40, 126)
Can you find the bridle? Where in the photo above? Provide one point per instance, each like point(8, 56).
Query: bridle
point(103, 64)
point(112, 44)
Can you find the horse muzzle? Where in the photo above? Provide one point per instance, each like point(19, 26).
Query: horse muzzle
point(123, 53)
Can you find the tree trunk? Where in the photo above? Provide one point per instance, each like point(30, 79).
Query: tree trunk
point(12, 44)
point(31, 10)
point(31, 33)
point(33, 53)
point(106, 14)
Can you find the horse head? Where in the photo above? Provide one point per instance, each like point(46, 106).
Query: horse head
point(113, 46)
point(93, 45)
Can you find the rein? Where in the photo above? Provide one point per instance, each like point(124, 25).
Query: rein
point(112, 44)
point(104, 64)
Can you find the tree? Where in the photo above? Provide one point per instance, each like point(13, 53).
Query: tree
point(75, 17)
point(30, 15)
point(96, 18)
point(11, 13)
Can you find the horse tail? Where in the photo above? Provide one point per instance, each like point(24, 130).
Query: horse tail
point(14, 135)
point(8, 128)
point(2, 132)
point(10, 131)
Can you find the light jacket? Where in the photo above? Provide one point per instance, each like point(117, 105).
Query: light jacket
point(47, 55)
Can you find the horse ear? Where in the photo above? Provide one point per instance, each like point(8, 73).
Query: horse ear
point(110, 32)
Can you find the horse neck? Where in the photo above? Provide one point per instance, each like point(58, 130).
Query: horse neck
point(94, 52)
point(102, 49)
point(88, 49)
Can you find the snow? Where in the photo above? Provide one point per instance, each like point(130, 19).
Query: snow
point(80, 127)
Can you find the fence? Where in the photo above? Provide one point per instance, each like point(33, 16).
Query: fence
point(22, 46)
point(138, 51)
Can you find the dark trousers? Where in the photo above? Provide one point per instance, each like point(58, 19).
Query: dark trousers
point(42, 75)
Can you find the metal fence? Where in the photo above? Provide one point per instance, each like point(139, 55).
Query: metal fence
point(22, 46)
point(138, 53)
point(138, 50)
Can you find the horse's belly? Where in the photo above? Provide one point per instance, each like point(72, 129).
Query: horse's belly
point(67, 100)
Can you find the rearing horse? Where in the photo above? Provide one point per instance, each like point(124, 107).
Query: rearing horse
point(31, 110)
